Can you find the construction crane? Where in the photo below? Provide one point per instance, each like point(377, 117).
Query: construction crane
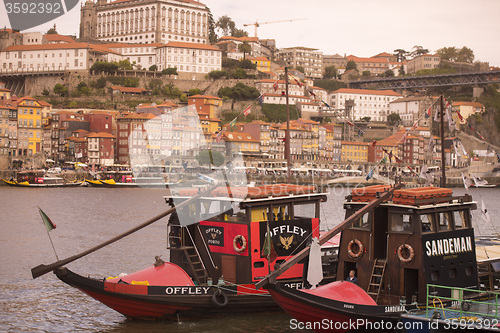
point(257, 24)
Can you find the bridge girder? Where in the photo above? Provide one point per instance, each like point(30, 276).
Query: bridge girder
point(428, 81)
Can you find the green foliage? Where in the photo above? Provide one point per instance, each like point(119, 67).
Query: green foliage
point(194, 91)
point(99, 83)
point(247, 64)
point(239, 33)
point(239, 73)
point(153, 68)
point(60, 90)
point(210, 157)
point(52, 31)
point(388, 73)
point(366, 73)
point(104, 67)
point(330, 85)
point(436, 71)
point(172, 91)
point(401, 71)
point(393, 118)
point(351, 64)
point(245, 48)
point(229, 63)
point(183, 98)
point(226, 24)
point(464, 54)
point(45, 92)
point(300, 69)
point(170, 71)
point(212, 36)
point(131, 82)
point(330, 72)
point(401, 54)
point(240, 92)
point(73, 104)
point(82, 88)
point(366, 119)
point(277, 112)
point(125, 64)
point(215, 75)
point(155, 86)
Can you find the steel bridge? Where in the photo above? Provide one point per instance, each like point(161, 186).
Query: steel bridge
point(414, 82)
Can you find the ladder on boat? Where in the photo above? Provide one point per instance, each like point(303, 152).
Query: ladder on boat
point(485, 275)
point(193, 257)
point(376, 278)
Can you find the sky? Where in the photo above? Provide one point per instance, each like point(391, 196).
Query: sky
point(363, 28)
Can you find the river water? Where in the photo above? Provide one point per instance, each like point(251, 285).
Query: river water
point(86, 217)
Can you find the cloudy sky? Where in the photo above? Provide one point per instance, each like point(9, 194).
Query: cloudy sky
point(360, 27)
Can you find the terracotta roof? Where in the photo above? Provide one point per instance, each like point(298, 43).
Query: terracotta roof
point(57, 37)
point(123, 45)
point(240, 39)
point(473, 104)
point(5, 90)
point(44, 103)
point(359, 59)
point(59, 46)
point(129, 89)
point(238, 137)
point(355, 143)
point(192, 46)
point(139, 116)
point(101, 135)
point(205, 96)
point(367, 92)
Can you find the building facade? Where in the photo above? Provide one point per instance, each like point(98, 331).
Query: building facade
point(145, 21)
point(309, 59)
point(424, 61)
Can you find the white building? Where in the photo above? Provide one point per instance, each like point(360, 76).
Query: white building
point(54, 57)
point(152, 21)
point(367, 103)
point(412, 108)
point(310, 59)
point(142, 56)
point(191, 60)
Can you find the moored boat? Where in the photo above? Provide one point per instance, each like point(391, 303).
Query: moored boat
point(219, 259)
point(417, 237)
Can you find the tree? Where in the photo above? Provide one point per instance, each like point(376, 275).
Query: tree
point(330, 72)
point(401, 54)
point(82, 88)
point(239, 33)
point(401, 71)
point(447, 53)
point(153, 68)
point(239, 73)
point(215, 75)
point(170, 71)
point(366, 119)
point(99, 83)
point(365, 73)
point(52, 31)
point(393, 118)
point(194, 91)
point(103, 66)
point(465, 55)
point(226, 24)
point(300, 69)
point(351, 64)
point(212, 36)
point(418, 50)
point(60, 90)
point(388, 73)
point(210, 157)
point(125, 64)
point(245, 47)
point(45, 92)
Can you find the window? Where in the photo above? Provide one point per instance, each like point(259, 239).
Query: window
point(400, 223)
point(364, 222)
point(460, 218)
point(444, 221)
point(427, 222)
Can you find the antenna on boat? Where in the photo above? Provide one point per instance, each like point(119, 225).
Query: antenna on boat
point(443, 161)
point(287, 134)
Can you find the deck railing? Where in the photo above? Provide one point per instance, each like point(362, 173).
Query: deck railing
point(480, 305)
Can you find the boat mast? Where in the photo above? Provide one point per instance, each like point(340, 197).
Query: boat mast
point(287, 134)
point(443, 161)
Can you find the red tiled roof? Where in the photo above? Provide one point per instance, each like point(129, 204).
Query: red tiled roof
point(57, 37)
point(367, 92)
point(129, 89)
point(204, 96)
point(192, 46)
point(101, 135)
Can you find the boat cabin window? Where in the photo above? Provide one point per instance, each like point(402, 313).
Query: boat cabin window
point(278, 213)
point(444, 221)
point(364, 222)
point(460, 219)
point(401, 223)
point(305, 210)
point(428, 222)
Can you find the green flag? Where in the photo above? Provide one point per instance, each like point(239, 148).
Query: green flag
point(233, 122)
point(268, 247)
point(46, 220)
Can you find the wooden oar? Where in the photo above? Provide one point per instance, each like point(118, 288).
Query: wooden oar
point(271, 277)
point(44, 269)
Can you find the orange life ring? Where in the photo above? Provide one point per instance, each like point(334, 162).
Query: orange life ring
point(236, 243)
point(410, 250)
point(360, 248)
